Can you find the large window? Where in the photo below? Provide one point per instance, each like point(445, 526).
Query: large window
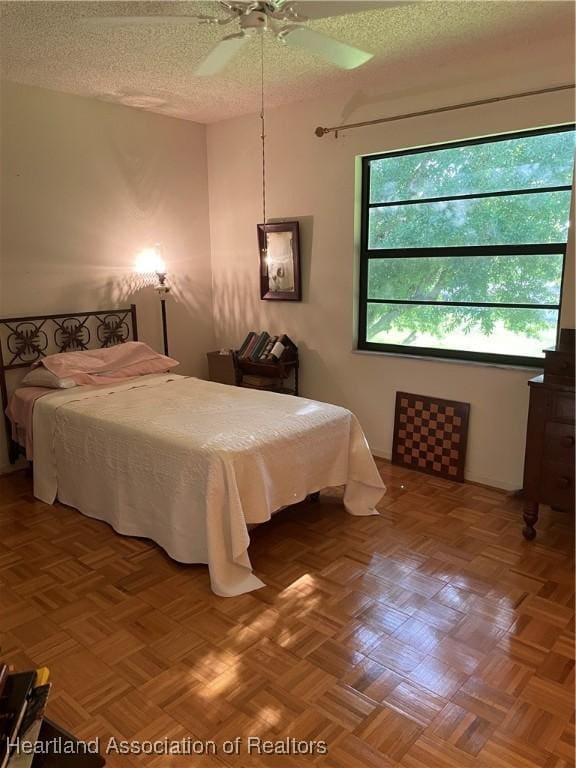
point(463, 246)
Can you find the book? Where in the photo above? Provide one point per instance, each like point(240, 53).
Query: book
point(245, 344)
point(31, 724)
point(250, 348)
point(277, 350)
point(285, 349)
point(268, 346)
point(13, 704)
point(262, 341)
point(287, 341)
point(266, 349)
point(3, 677)
point(273, 341)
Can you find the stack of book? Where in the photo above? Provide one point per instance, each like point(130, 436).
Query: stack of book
point(23, 699)
point(262, 347)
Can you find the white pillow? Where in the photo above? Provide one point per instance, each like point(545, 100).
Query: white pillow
point(42, 377)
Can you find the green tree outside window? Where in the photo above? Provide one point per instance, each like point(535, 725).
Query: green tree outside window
point(496, 197)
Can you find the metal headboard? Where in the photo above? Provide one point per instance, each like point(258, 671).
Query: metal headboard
point(24, 340)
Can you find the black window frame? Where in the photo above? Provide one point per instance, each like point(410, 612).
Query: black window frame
point(366, 254)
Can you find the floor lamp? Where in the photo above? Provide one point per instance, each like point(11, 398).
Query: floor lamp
point(150, 261)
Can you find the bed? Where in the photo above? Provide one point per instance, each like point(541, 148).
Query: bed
point(187, 463)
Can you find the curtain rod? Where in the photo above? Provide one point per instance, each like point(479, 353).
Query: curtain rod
point(320, 131)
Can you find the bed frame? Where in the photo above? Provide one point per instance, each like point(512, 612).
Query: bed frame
point(24, 340)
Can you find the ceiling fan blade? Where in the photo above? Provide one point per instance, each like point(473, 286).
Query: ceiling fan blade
point(321, 9)
point(341, 54)
point(115, 21)
point(221, 55)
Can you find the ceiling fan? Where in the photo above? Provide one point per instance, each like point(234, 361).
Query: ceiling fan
point(283, 18)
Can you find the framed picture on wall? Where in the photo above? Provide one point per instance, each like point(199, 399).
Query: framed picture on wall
point(279, 246)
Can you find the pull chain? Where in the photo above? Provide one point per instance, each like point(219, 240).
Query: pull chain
point(263, 137)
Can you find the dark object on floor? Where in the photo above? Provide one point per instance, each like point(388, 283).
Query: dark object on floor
point(430, 435)
point(549, 460)
point(22, 705)
point(16, 692)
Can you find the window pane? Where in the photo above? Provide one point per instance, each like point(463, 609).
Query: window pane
point(521, 163)
point(499, 279)
point(517, 332)
point(532, 218)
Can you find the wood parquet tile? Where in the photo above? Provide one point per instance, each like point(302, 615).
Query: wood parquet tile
point(433, 636)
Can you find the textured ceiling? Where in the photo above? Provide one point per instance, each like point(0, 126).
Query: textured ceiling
point(48, 44)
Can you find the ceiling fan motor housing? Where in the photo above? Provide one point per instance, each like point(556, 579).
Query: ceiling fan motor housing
point(255, 21)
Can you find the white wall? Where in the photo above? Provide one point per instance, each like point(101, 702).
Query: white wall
point(315, 180)
point(85, 185)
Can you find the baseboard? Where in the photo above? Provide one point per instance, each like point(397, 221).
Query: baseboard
point(7, 469)
point(490, 482)
point(470, 477)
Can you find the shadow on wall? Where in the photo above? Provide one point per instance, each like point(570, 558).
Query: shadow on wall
point(497, 61)
point(363, 99)
point(191, 325)
point(237, 304)
point(189, 312)
point(238, 309)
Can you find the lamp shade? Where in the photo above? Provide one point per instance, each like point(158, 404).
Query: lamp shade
point(150, 261)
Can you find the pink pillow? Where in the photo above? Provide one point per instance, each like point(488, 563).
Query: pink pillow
point(107, 365)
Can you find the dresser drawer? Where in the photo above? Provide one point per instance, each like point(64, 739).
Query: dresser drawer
point(563, 408)
point(557, 485)
point(559, 442)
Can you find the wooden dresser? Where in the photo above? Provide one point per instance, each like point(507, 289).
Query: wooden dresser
point(549, 460)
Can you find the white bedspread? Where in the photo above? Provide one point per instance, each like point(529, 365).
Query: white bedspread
point(189, 463)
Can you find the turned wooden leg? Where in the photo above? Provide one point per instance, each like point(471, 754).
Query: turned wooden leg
point(530, 520)
point(314, 496)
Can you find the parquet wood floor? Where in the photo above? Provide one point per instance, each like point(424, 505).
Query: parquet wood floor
point(432, 636)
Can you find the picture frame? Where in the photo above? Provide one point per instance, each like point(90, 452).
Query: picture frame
point(280, 275)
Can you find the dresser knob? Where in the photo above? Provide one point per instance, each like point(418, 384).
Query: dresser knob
point(564, 482)
point(568, 440)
